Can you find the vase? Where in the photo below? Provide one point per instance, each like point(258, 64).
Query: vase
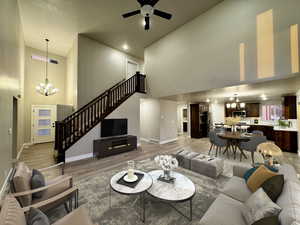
point(167, 175)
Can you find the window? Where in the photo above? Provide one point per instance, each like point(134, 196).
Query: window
point(271, 112)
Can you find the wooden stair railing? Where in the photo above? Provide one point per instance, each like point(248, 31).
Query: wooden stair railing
point(75, 126)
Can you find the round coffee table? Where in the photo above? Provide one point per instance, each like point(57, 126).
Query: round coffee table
point(182, 190)
point(144, 184)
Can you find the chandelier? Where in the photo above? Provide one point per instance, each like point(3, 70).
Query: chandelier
point(236, 103)
point(46, 88)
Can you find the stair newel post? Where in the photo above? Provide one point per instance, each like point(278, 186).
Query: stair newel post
point(59, 137)
point(138, 81)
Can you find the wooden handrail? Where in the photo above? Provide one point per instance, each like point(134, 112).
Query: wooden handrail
point(75, 126)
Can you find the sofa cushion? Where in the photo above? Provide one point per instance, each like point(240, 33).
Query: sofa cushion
point(289, 172)
point(11, 212)
point(224, 211)
point(21, 182)
point(37, 217)
point(259, 206)
point(272, 220)
point(248, 173)
point(259, 177)
point(289, 201)
point(37, 181)
point(237, 188)
point(273, 187)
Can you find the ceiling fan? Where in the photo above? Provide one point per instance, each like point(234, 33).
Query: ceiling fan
point(147, 10)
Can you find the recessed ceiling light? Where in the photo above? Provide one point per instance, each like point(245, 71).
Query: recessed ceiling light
point(125, 47)
point(231, 98)
point(208, 100)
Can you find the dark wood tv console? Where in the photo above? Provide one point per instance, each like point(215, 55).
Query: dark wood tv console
point(114, 145)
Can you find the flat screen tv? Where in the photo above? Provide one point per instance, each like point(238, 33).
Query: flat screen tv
point(113, 127)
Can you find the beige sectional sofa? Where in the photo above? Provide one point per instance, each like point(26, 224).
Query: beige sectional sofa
point(227, 208)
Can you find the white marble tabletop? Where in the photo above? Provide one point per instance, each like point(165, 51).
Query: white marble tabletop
point(182, 189)
point(142, 186)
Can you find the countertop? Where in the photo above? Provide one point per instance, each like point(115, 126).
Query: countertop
point(276, 127)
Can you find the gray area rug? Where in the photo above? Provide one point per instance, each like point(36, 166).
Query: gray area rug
point(94, 195)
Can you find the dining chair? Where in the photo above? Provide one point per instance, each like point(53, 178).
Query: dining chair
point(258, 132)
point(251, 145)
point(211, 136)
point(219, 143)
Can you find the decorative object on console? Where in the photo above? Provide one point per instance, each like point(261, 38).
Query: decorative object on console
point(269, 150)
point(259, 177)
point(167, 163)
point(233, 121)
point(259, 206)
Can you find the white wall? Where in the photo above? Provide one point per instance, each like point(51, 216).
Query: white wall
point(158, 120)
point(71, 77)
point(35, 74)
point(129, 109)
point(217, 111)
point(150, 117)
point(168, 121)
point(11, 81)
point(204, 53)
point(99, 68)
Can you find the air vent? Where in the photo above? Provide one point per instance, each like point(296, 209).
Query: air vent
point(44, 59)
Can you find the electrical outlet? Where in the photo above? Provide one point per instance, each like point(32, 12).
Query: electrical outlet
point(10, 131)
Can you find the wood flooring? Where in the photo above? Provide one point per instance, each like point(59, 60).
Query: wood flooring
point(41, 155)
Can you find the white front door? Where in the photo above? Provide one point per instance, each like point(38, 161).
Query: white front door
point(132, 68)
point(43, 119)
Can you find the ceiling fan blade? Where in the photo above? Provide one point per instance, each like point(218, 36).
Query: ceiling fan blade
point(142, 2)
point(133, 13)
point(147, 23)
point(162, 14)
point(153, 2)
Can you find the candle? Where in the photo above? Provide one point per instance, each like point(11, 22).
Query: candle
point(130, 173)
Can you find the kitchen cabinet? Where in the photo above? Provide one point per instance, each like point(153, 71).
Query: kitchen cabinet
point(252, 110)
point(199, 120)
point(267, 130)
point(290, 107)
point(286, 140)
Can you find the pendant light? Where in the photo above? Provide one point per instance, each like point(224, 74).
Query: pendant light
point(46, 88)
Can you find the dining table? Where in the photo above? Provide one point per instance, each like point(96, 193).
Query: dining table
point(233, 142)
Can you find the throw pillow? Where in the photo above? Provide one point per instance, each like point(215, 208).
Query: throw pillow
point(272, 220)
point(259, 177)
point(37, 181)
point(249, 172)
point(273, 187)
point(37, 217)
point(259, 206)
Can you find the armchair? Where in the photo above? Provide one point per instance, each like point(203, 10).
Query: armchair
point(12, 213)
point(57, 191)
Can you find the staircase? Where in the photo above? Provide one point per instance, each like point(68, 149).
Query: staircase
point(75, 126)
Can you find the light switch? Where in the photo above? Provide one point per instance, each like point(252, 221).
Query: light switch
point(10, 131)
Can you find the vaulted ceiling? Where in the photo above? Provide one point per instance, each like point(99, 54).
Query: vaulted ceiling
point(62, 20)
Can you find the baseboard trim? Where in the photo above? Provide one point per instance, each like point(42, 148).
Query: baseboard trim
point(5, 184)
point(79, 157)
point(144, 139)
point(25, 145)
point(154, 140)
point(168, 141)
